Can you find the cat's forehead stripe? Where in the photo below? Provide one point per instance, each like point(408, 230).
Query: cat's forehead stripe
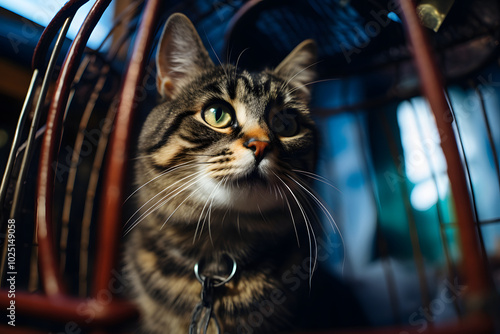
point(240, 110)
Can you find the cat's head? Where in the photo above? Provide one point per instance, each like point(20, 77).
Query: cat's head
point(225, 136)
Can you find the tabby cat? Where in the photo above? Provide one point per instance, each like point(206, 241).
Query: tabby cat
point(222, 182)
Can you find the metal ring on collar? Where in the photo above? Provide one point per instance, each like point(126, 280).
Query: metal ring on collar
point(223, 280)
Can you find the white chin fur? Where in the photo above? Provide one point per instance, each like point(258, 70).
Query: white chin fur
point(258, 198)
point(241, 197)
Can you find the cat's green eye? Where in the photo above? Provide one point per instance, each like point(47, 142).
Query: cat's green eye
point(218, 116)
point(285, 123)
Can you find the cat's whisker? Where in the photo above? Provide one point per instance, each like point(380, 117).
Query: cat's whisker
point(284, 84)
point(161, 192)
point(178, 206)
point(203, 155)
point(171, 169)
point(209, 211)
point(310, 83)
point(145, 156)
point(229, 53)
point(327, 213)
point(217, 56)
point(319, 202)
point(178, 192)
point(165, 199)
point(224, 216)
point(313, 210)
point(207, 214)
point(317, 177)
point(261, 213)
point(310, 232)
point(237, 62)
point(275, 188)
point(223, 183)
point(238, 223)
point(279, 192)
point(292, 217)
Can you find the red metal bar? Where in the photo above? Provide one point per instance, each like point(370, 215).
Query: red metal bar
point(6, 329)
point(111, 205)
point(51, 30)
point(474, 266)
point(49, 271)
point(83, 312)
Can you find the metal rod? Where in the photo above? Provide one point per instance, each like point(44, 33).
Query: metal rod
point(12, 157)
point(127, 14)
point(112, 53)
point(90, 196)
point(381, 241)
point(444, 239)
point(469, 181)
point(68, 10)
point(23, 116)
point(37, 113)
point(412, 225)
point(28, 152)
point(51, 277)
point(73, 167)
point(66, 210)
point(496, 162)
point(96, 173)
point(111, 205)
point(431, 84)
point(236, 20)
point(489, 221)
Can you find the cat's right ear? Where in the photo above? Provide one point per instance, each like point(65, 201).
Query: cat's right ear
point(180, 55)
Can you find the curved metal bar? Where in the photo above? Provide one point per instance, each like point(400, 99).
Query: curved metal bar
point(487, 123)
point(88, 207)
point(66, 211)
point(131, 10)
point(37, 114)
point(12, 157)
point(95, 173)
point(51, 278)
point(236, 20)
point(114, 177)
point(470, 184)
point(72, 174)
point(17, 136)
point(70, 184)
point(68, 10)
point(473, 263)
point(30, 142)
point(381, 241)
point(412, 224)
point(82, 312)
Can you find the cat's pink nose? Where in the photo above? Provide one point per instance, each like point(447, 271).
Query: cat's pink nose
point(258, 147)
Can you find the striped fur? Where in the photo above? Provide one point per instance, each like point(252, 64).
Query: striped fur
point(206, 191)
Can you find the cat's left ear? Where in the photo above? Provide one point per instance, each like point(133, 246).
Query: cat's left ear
point(180, 55)
point(298, 66)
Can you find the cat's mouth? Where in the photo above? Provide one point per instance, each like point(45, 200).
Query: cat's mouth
point(254, 178)
point(249, 188)
point(258, 174)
